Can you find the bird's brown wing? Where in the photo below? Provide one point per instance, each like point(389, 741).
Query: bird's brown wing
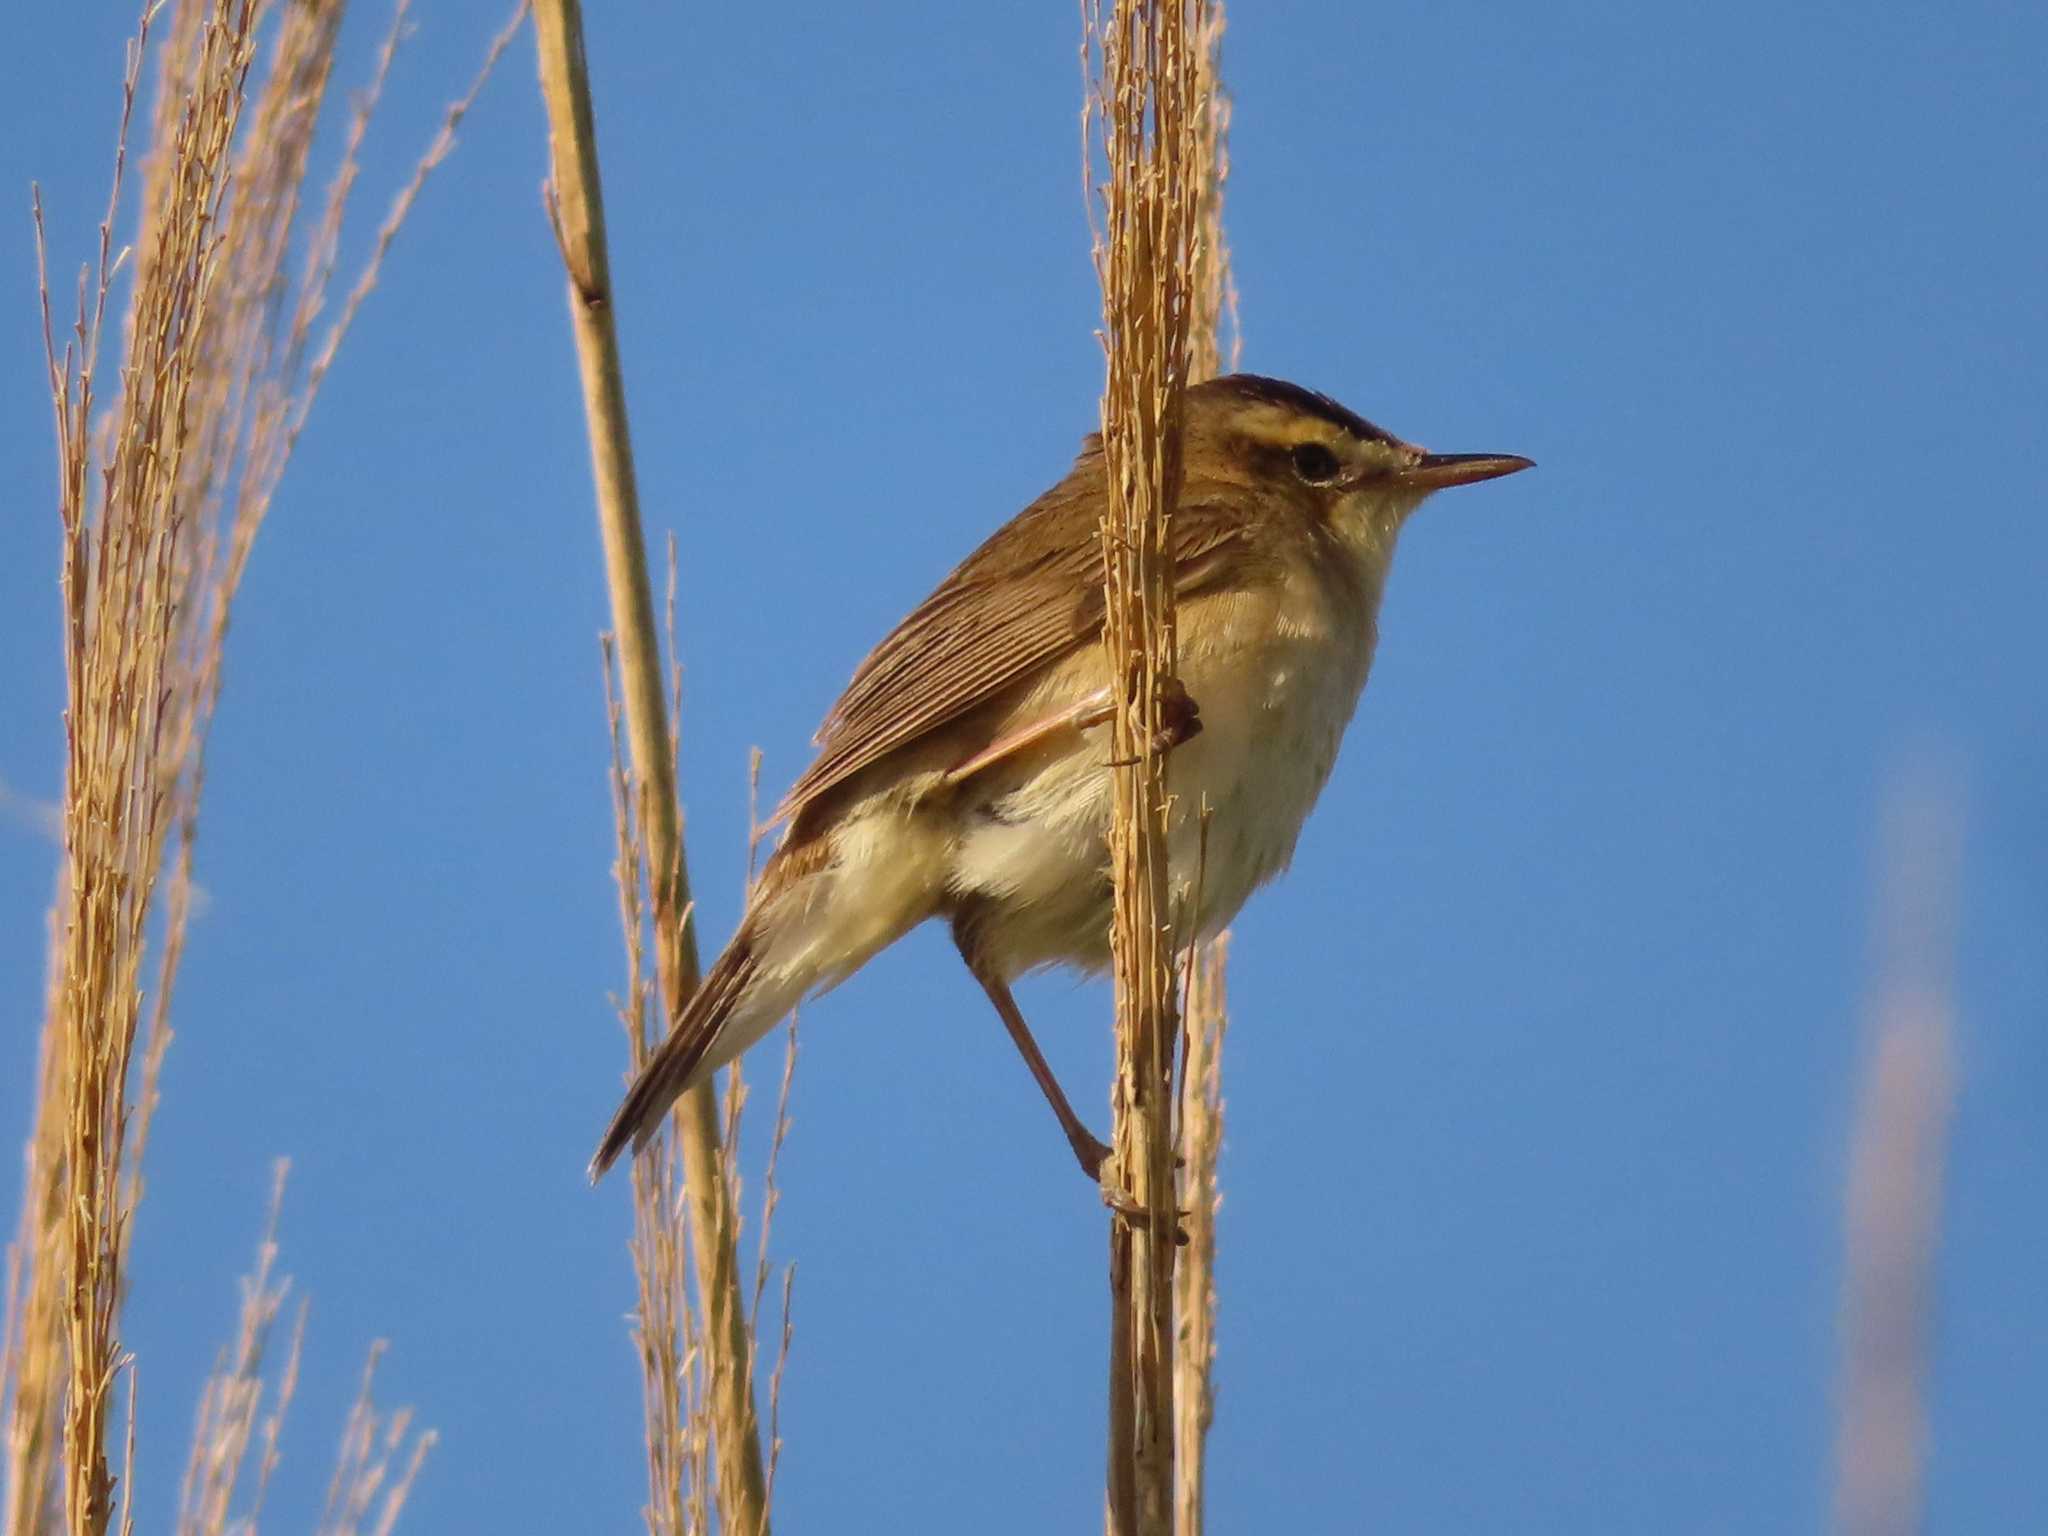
point(1027, 598)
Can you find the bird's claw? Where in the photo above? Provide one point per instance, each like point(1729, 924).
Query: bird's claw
point(1109, 1179)
point(1180, 718)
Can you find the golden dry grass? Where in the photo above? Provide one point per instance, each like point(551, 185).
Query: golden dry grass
point(1205, 1014)
point(162, 492)
point(241, 1408)
point(375, 1465)
point(1150, 85)
point(678, 1405)
point(163, 483)
point(678, 1439)
point(129, 538)
point(697, 1348)
point(32, 1361)
point(1194, 1280)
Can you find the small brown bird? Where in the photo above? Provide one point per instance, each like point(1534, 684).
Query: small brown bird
point(964, 772)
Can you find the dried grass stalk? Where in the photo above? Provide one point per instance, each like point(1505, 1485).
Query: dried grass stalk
point(1215, 291)
point(1148, 101)
point(1205, 1017)
point(664, 1331)
point(241, 1415)
point(376, 1464)
point(232, 1419)
point(1194, 1279)
point(575, 202)
point(242, 1409)
point(32, 1361)
point(126, 552)
point(161, 493)
point(678, 1406)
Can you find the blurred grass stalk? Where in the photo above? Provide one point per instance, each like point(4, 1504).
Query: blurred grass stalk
point(1897, 1154)
point(1149, 87)
point(1194, 1279)
point(242, 1407)
point(1206, 1015)
point(161, 490)
point(575, 204)
point(679, 1404)
point(672, 1366)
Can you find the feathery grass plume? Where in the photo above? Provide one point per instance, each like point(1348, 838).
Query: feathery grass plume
point(242, 1411)
point(161, 492)
point(576, 208)
point(677, 1403)
point(1146, 100)
point(1897, 1155)
point(232, 1418)
point(379, 1454)
point(126, 546)
point(1205, 1016)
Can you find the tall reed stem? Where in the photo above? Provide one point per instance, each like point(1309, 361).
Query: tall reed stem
point(576, 205)
point(1206, 1008)
point(1148, 100)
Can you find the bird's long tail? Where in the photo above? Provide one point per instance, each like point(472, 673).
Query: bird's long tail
point(706, 1036)
point(820, 911)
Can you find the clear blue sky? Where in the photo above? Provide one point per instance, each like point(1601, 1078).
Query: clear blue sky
point(1540, 1078)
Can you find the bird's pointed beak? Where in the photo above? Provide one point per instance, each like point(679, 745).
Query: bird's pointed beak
point(1434, 471)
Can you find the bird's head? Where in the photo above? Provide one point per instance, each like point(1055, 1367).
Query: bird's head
point(1291, 448)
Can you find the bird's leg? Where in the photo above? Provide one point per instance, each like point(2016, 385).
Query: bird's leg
point(1091, 1154)
point(1179, 718)
point(1079, 716)
point(1088, 1151)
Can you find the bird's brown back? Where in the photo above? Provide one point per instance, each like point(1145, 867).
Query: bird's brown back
point(1032, 592)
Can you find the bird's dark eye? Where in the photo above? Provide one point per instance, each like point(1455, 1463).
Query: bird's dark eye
point(1315, 463)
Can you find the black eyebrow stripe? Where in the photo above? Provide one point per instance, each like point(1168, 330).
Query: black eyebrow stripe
point(1253, 386)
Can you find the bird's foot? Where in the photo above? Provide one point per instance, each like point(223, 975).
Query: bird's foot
point(1092, 1155)
point(1108, 1175)
point(1180, 718)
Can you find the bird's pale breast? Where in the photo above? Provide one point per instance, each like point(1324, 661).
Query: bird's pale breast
point(1276, 688)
